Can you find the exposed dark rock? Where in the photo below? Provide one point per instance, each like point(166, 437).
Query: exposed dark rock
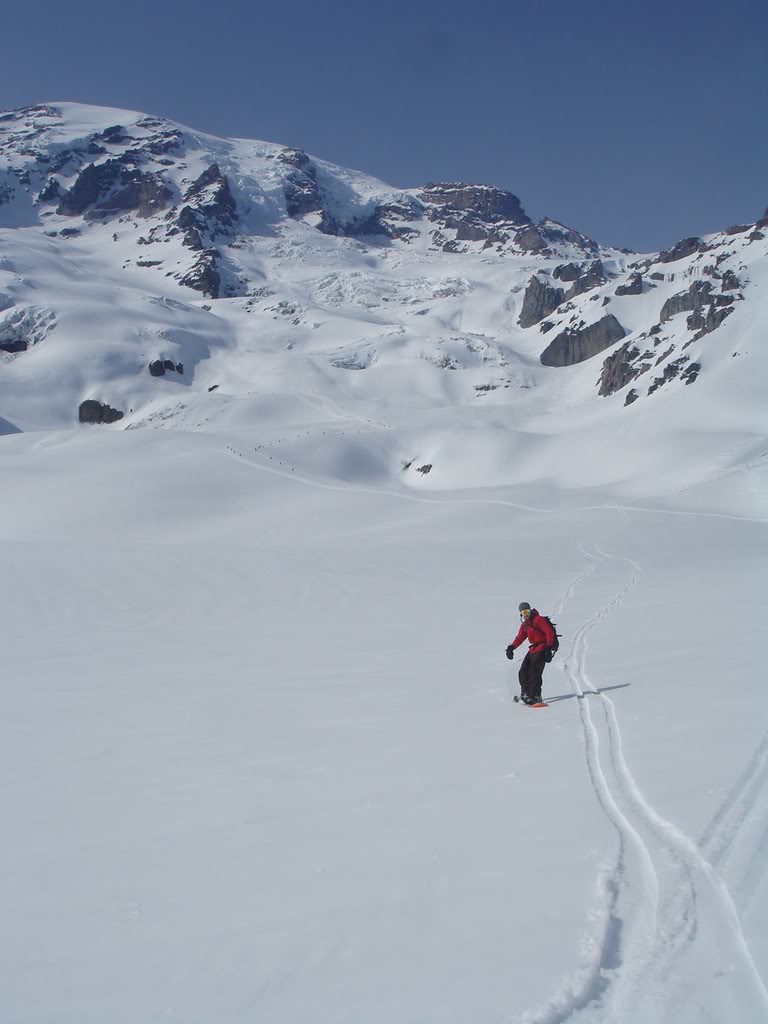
point(487, 202)
point(567, 272)
point(91, 184)
point(70, 232)
point(763, 222)
point(633, 287)
point(158, 367)
point(593, 278)
point(140, 191)
point(13, 345)
point(165, 142)
point(690, 373)
point(301, 191)
point(390, 220)
point(671, 370)
point(302, 194)
point(687, 247)
point(396, 217)
point(558, 234)
point(210, 209)
point(115, 135)
point(426, 468)
point(539, 301)
point(95, 412)
point(657, 276)
point(697, 295)
point(50, 192)
point(477, 213)
point(756, 236)
point(189, 221)
point(296, 158)
point(737, 229)
point(706, 323)
point(730, 282)
point(618, 370)
point(214, 197)
point(530, 239)
point(574, 345)
point(112, 187)
point(631, 397)
point(203, 275)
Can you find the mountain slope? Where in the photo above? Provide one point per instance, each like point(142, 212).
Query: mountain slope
point(151, 275)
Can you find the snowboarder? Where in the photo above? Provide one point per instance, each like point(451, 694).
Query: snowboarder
point(537, 631)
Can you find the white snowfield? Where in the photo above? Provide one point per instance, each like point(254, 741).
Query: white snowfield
point(259, 759)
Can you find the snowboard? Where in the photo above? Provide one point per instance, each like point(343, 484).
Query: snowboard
point(541, 703)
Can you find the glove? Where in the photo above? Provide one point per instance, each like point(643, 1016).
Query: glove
point(549, 655)
point(510, 652)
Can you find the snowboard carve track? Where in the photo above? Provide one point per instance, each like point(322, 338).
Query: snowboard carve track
point(668, 925)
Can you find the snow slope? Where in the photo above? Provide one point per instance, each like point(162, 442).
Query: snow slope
point(259, 756)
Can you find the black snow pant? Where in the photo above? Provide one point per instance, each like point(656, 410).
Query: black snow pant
point(530, 674)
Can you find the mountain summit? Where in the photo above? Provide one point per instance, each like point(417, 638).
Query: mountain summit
point(154, 275)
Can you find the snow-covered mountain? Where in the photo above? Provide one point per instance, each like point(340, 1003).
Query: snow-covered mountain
point(153, 275)
point(259, 759)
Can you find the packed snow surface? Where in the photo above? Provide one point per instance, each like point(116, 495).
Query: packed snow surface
point(259, 756)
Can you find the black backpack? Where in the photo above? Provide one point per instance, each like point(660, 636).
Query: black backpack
point(552, 651)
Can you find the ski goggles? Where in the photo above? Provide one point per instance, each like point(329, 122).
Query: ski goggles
point(525, 613)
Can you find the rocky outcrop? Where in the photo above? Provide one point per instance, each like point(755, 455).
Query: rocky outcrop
point(91, 184)
point(111, 188)
point(593, 278)
point(697, 295)
point(704, 323)
point(618, 369)
point(209, 209)
point(687, 247)
point(530, 239)
point(730, 282)
point(13, 345)
point(708, 310)
point(574, 345)
point(539, 301)
point(555, 233)
point(489, 204)
point(300, 190)
point(139, 191)
point(567, 272)
point(390, 220)
point(673, 369)
point(91, 411)
point(159, 367)
point(50, 192)
point(24, 327)
point(633, 287)
point(204, 275)
point(477, 213)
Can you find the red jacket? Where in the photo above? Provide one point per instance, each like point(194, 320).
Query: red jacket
point(537, 631)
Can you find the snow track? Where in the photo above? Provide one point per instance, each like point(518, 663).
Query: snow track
point(669, 944)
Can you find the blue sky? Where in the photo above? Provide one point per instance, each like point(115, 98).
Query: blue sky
point(636, 122)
